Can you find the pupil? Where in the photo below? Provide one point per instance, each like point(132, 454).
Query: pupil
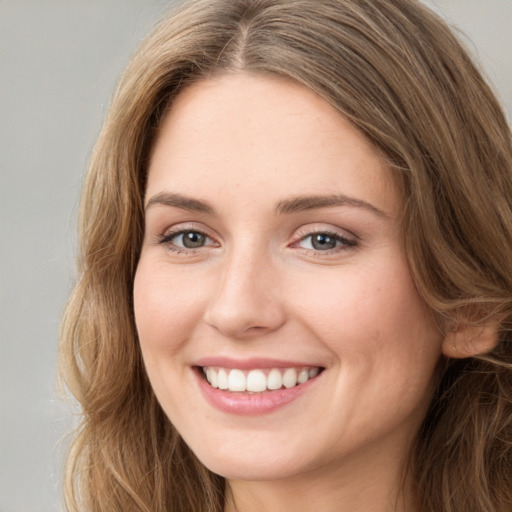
point(192, 240)
point(324, 242)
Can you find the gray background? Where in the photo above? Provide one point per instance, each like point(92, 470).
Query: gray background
point(58, 65)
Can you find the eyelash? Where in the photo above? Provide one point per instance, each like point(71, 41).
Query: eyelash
point(167, 239)
point(344, 242)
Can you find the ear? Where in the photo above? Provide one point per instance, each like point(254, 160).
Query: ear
point(468, 340)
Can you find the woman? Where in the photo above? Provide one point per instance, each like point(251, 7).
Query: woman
point(295, 275)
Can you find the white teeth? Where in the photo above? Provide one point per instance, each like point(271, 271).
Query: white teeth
point(257, 381)
point(236, 381)
point(303, 377)
point(222, 379)
point(211, 376)
point(274, 379)
point(290, 378)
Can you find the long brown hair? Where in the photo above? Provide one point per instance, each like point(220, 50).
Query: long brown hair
point(396, 71)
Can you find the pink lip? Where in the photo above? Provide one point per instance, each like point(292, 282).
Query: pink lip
point(250, 364)
point(246, 403)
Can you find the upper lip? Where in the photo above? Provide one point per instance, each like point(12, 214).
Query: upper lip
point(252, 363)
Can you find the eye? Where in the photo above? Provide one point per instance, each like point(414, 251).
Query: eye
point(187, 239)
point(325, 242)
point(190, 239)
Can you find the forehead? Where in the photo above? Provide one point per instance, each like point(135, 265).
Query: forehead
point(253, 134)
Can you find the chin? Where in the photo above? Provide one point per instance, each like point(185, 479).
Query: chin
point(238, 469)
point(254, 462)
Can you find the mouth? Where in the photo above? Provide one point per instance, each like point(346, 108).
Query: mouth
point(254, 381)
point(256, 386)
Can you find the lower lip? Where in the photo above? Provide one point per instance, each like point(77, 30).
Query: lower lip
point(251, 404)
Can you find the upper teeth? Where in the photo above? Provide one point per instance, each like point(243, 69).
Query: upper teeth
point(256, 381)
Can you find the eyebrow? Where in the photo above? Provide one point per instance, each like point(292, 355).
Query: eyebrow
point(303, 203)
point(286, 207)
point(179, 201)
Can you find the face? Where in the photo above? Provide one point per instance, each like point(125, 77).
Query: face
point(280, 327)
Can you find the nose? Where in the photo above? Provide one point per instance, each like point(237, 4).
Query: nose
point(247, 302)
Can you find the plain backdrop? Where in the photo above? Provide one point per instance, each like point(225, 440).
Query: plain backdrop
point(59, 61)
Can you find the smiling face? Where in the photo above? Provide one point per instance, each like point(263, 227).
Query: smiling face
point(272, 259)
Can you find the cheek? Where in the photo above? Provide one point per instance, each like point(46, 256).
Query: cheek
point(373, 313)
point(384, 343)
point(166, 309)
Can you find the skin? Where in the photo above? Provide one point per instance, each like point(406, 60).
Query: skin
point(257, 288)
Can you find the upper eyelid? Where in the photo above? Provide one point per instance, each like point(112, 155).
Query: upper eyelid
point(304, 232)
point(187, 226)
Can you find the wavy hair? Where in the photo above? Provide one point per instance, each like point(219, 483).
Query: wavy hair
point(396, 71)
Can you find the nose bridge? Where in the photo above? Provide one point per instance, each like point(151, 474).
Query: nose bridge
point(246, 302)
